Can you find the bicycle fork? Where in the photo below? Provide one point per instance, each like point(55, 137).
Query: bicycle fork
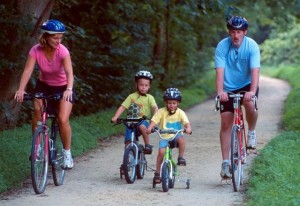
point(170, 162)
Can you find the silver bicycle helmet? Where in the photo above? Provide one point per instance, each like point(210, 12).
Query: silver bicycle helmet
point(53, 27)
point(172, 94)
point(237, 23)
point(143, 75)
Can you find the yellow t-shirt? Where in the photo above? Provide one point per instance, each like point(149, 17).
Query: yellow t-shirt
point(144, 102)
point(167, 121)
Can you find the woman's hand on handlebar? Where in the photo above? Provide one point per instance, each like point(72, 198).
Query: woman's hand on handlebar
point(19, 96)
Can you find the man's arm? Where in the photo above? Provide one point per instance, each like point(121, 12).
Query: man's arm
point(220, 84)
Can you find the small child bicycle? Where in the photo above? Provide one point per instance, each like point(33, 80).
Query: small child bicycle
point(134, 160)
point(168, 168)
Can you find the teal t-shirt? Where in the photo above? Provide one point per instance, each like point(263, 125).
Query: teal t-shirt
point(237, 62)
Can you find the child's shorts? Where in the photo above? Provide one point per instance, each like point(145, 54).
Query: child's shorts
point(137, 134)
point(173, 144)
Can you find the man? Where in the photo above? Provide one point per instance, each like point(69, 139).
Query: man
point(237, 65)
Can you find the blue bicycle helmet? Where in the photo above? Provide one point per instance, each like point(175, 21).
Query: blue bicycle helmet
point(53, 27)
point(172, 94)
point(237, 23)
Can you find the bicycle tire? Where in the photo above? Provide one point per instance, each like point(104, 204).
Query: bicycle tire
point(165, 174)
point(236, 159)
point(141, 166)
point(172, 178)
point(56, 155)
point(129, 165)
point(39, 160)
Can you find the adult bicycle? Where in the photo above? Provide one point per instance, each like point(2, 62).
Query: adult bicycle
point(46, 149)
point(134, 160)
point(168, 168)
point(238, 148)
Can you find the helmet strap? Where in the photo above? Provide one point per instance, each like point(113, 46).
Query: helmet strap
point(171, 112)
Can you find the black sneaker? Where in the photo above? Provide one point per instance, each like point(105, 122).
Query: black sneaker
point(122, 169)
point(148, 149)
point(156, 178)
point(181, 161)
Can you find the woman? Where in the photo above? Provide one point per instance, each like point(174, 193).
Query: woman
point(56, 76)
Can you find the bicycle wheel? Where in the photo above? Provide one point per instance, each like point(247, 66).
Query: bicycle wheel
point(56, 155)
point(129, 165)
point(165, 174)
point(141, 166)
point(236, 160)
point(39, 160)
point(172, 178)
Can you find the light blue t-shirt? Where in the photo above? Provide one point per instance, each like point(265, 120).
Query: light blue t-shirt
point(237, 62)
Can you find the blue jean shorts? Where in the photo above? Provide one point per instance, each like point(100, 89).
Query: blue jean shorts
point(137, 133)
point(173, 144)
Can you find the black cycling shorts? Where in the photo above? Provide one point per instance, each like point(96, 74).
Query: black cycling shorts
point(228, 106)
point(42, 87)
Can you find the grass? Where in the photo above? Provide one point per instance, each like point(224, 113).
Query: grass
point(87, 132)
point(274, 175)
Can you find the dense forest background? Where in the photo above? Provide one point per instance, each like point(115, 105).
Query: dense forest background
point(110, 40)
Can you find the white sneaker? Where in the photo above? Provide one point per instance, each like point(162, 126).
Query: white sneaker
point(225, 171)
point(251, 140)
point(68, 160)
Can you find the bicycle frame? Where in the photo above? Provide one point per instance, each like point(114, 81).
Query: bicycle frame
point(239, 122)
point(168, 165)
point(41, 139)
point(238, 151)
point(133, 168)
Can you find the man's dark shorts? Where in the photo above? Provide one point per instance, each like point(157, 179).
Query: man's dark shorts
point(228, 106)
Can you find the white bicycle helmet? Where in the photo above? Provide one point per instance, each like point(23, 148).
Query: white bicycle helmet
point(143, 75)
point(172, 94)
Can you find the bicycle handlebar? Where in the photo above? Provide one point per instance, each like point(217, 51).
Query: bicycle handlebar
point(128, 120)
point(238, 95)
point(168, 131)
point(28, 96)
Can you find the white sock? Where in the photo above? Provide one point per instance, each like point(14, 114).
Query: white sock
point(68, 151)
point(251, 132)
point(225, 161)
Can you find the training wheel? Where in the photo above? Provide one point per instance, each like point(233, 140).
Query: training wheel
point(188, 182)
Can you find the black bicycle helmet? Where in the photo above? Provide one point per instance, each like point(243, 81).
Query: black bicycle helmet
point(172, 94)
point(237, 23)
point(143, 75)
point(53, 27)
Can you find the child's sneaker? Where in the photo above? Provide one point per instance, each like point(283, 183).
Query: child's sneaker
point(225, 171)
point(156, 178)
point(181, 161)
point(251, 140)
point(148, 149)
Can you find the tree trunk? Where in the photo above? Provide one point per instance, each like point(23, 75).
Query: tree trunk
point(20, 43)
point(167, 50)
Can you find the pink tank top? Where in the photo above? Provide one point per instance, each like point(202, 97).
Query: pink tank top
point(51, 72)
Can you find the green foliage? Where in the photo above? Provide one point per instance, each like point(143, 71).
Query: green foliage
point(275, 173)
point(283, 48)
